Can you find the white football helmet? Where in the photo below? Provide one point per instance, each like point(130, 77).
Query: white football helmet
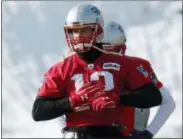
point(114, 38)
point(84, 15)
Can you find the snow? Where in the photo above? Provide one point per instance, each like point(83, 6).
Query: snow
point(33, 39)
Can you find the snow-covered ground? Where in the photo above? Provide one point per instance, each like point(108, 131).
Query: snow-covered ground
point(33, 39)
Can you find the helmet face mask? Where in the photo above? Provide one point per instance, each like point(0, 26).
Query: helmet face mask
point(81, 38)
point(112, 48)
point(86, 21)
point(121, 48)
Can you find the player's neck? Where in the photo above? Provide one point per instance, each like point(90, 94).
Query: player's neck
point(90, 56)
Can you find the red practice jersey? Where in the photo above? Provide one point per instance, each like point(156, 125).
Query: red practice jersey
point(146, 66)
point(117, 73)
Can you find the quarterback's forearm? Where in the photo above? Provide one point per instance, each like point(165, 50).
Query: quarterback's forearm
point(49, 108)
point(165, 110)
point(146, 96)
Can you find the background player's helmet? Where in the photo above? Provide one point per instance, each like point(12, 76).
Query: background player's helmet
point(80, 16)
point(114, 38)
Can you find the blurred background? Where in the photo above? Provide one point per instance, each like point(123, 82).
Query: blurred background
point(33, 40)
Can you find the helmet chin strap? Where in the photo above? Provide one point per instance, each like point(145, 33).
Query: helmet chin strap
point(106, 52)
point(92, 45)
point(120, 52)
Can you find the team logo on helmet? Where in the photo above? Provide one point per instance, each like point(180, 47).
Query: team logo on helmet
point(95, 10)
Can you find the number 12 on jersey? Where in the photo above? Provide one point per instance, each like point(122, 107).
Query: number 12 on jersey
point(108, 79)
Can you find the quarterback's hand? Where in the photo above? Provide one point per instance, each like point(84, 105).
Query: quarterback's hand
point(105, 101)
point(86, 93)
point(140, 135)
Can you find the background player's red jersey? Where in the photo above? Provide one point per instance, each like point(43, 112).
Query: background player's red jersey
point(128, 115)
point(116, 73)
